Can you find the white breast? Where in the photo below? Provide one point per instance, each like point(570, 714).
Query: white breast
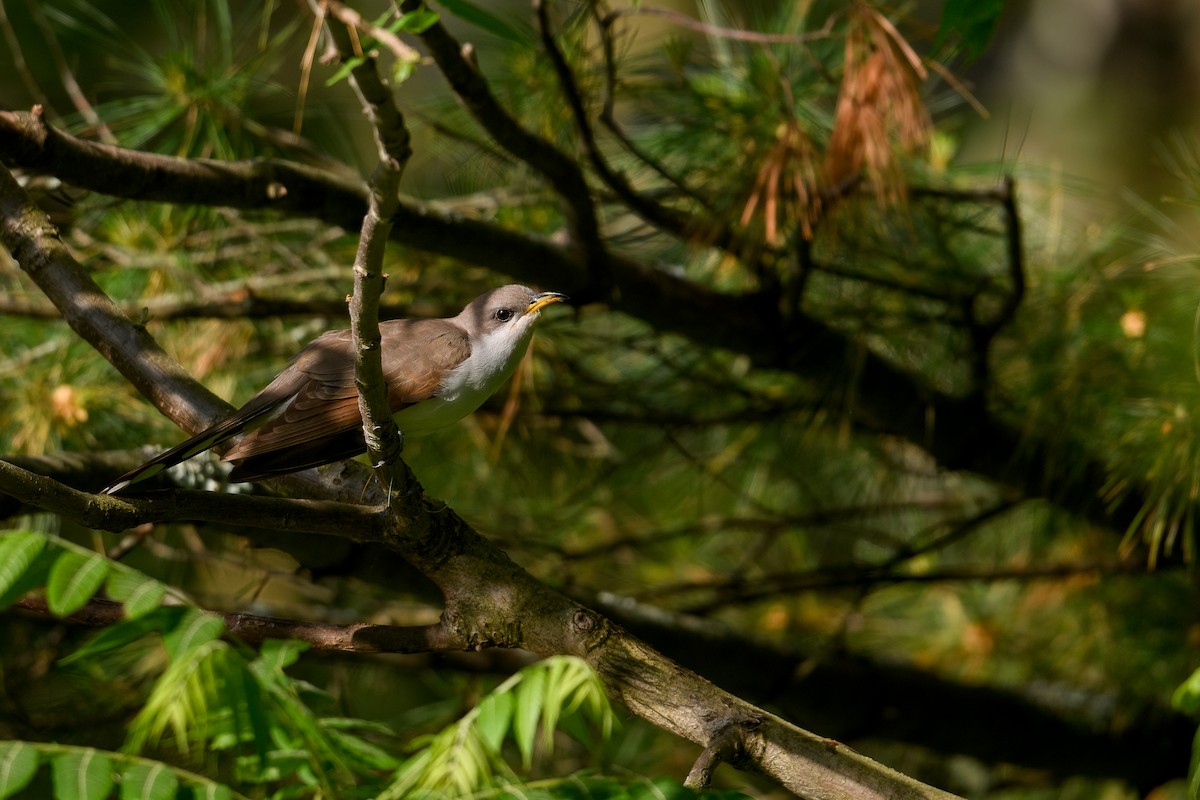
point(493, 360)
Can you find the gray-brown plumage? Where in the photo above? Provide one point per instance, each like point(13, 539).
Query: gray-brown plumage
point(437, 371)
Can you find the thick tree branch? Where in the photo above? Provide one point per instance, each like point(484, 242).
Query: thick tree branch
point(117, 513)
point(848, 696)
point(34, 243)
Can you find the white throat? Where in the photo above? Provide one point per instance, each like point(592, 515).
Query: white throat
point(493, 360)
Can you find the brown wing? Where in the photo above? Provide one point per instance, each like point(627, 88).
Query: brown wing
point(313, 426)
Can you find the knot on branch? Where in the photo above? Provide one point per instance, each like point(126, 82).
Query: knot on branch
point(731, 744)
point(590, 628)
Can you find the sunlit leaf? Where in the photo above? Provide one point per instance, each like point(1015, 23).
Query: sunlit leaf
point(86, 775)
point(494, 717)
point(279, 654)
point(417, 21)
point(344, 69)
point(194, 629)
point(18, 765)
point(365, 752)
point(139, 594)
point(74, 578)
point(1187, 697)
point(17, 552)
point(127, 632)
point(211, 791)
point(530, 700)
point(148, 782)
point(479, 16)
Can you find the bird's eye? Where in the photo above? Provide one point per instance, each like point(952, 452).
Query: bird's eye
point(504, 314)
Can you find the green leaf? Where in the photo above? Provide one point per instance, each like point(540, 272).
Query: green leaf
point(279, 654)
point(417, 21)
point(127, 632)
point(86, 775)
point(493, 717)
point(148, 782)
point(479, 17)
point(18, 765)
point(402, 70)
point(343, 71)
point(530, 699)
point(17, 552)
point(1187, 697)
point(194, 629)
point(139, 593)
point(371, 755)
point(211, 791)
point(74, 578)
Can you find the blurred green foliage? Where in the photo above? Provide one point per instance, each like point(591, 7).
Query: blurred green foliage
point(624, 460)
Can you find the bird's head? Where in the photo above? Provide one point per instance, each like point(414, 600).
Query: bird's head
point(508, 312)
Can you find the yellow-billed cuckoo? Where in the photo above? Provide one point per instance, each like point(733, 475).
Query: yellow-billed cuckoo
point(437, 371)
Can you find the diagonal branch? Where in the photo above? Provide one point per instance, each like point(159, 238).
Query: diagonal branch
point(356, 522)
point(253, 628)
point(664, 217)
point(560, 169)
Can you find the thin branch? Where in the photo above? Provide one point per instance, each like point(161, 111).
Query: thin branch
point(560, 169)
point(253, 628)
point(359, 523)
point(350, 17)
point(655, 213)
point(744, 591)
point(34, 243)
point(608, 114)
point(728, 746)
point(734, 34)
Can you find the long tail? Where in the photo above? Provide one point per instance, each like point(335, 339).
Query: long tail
point(210, 437)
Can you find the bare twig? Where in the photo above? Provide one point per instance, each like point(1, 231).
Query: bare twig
point(608, 115)
point(742, 591)
point(117, 513)
point(253, 628)
point(563, 173)
point(350, 17)
point(736, 34)
point(662, 216)
point(727, 746)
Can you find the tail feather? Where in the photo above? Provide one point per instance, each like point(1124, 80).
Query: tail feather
point(210, 437)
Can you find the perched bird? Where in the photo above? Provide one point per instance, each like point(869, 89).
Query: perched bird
point(437, 371)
